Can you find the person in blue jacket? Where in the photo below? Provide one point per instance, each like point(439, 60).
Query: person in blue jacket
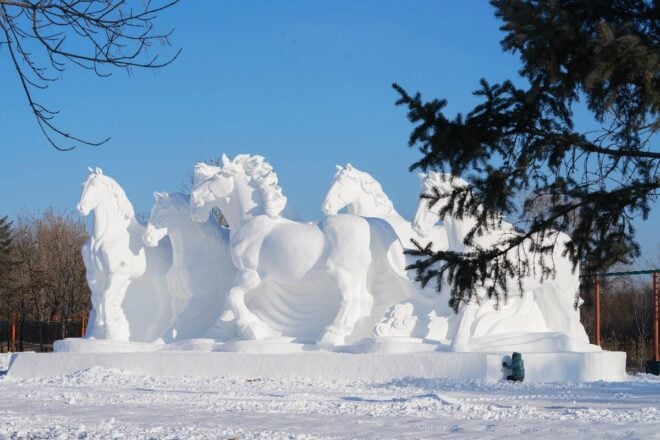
point(517, 367)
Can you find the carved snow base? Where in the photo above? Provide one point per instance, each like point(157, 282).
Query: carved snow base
point(391, 344)
point(379, 367)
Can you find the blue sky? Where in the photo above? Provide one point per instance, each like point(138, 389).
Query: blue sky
point(304, 83)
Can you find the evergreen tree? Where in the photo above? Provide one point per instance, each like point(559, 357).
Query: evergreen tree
point(522, 143)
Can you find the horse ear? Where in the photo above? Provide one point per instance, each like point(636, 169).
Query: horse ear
point(339, 168)
point(349, 167)
point(99, 170)
point(157, 196)
point(225, 160)
point(90, 170)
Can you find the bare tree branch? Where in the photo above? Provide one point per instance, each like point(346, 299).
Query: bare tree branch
point(44, 37)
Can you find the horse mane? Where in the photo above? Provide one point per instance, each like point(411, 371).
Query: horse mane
point(434, 179)
point(256, 168)
point(370, 186)
point(203, 172)
point(181, 201)
point(124, 206)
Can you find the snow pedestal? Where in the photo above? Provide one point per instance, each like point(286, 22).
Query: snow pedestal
point(329, 299)
point(540, 367)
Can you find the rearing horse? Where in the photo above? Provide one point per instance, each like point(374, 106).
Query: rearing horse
point(266, 247)
point(117, 262)
point(114, 251)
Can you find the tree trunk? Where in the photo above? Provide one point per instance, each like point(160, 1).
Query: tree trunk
point(21, 327)
point(41, 335)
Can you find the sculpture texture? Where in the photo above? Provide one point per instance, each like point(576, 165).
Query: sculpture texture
point(272, 280)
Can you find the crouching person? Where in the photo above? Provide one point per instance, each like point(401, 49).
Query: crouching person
point(517, 367)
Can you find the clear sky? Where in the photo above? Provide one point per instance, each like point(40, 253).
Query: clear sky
point(304, 83)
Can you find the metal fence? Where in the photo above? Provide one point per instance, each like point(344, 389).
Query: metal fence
point(36, 335)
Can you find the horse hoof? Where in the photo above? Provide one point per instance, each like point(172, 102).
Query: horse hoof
point(257, 330)
point(222, 331)
point(331, 338)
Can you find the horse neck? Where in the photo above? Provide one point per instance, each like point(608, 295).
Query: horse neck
point(109, 224)
point(188, 237)
point(245, 202)
point(457, 229)
point(365, 205)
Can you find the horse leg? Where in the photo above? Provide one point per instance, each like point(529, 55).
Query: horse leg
point(464, 330)
point(353, 303)
point(117, 328)
point(96, 322)
point(200, 313)
point(247, 323)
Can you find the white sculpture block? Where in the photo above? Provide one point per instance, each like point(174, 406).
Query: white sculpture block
point(269, 282)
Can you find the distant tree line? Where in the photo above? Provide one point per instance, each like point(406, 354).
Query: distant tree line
point(626, 316)
point(42, 274)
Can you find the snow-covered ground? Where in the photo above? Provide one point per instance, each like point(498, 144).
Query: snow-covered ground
point(102, 403)
point(4, 361)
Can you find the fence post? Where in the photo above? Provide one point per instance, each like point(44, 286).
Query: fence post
point(597, 309)
point(656, 318)
point(82, 329)
point(13, 334)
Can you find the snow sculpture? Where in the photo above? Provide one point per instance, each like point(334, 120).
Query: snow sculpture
point(129, 301)
point(544, 309)
point(398, 321)
point(335, 254)
point(269, 281)
point(360, 194)
point(201, 272)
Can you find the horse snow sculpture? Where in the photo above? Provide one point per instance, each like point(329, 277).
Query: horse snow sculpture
point(362, 195)
point(117, 264)
point(281, 258)
point(201, 272)
point(543, 308)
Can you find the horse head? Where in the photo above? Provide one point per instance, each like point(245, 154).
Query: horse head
point(164, 213)
point(210, 184)
point(427, 213)
point(98, 190)
point(242, 188)
point(341, 192)
point(357, 191)
point(92, 193)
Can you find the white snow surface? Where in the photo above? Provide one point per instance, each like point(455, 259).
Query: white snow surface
point(107, 403)
point(4, 361)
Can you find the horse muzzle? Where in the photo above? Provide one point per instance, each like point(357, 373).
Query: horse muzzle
point(328, 209)
point(82, 209)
